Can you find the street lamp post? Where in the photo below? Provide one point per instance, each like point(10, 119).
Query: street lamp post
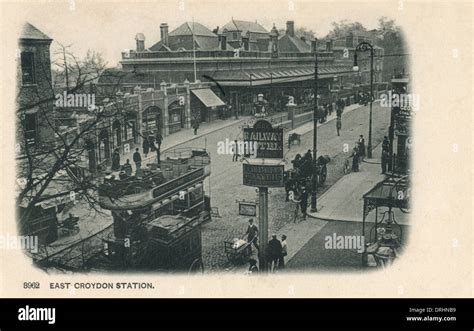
point(362, 47)
point(314, 201)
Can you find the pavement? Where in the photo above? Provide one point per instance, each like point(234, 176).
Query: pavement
point(344, 202)
point(187, 135)
point(181, 137)
point(340, 211)
point(308, 127)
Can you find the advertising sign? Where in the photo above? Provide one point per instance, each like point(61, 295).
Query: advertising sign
point(263, 175)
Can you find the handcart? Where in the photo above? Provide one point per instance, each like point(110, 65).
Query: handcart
point(237, 250)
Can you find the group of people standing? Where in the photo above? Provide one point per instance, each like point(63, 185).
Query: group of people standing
point(276, 250)
point(151, 143)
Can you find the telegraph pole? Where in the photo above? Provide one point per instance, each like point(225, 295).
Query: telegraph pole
point(314, 200)
point(262, 228)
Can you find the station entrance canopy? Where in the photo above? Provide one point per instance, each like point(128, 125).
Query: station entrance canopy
point(208, 98)
point(259, 77)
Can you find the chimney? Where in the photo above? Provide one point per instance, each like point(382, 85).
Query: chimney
point(140, 39)
point(290, 28)
point(223, 42)
point(329, 44)
point(164, 33)
point(274, 42)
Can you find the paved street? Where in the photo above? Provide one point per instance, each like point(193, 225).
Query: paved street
point(226, 177)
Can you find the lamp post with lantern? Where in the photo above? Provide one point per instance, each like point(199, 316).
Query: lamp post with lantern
point(363, 47)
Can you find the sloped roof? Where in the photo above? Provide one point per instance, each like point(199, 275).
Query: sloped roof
point(187, 28)
point(288, 43)
point(244, 27)
point(31, 32)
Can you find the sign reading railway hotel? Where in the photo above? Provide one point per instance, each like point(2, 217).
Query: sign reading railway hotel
point(266, 169)
point(269, 141)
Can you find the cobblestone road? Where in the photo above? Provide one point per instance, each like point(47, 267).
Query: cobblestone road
point(225, 183)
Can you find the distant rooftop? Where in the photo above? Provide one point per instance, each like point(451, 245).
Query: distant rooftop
point(31, 32)
point(187, 28)
point(243, 27)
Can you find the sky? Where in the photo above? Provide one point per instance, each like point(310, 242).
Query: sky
point(109, 27)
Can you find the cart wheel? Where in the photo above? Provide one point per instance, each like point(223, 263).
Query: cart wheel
point(196, 267)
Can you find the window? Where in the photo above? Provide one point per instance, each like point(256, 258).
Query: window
point(27, 68)
point(30, 128)
point(235, 36)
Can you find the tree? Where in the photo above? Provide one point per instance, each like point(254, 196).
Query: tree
point(52, 168)
point(343, 28)
point(395, 50)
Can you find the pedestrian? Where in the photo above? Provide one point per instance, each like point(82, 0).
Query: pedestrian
point(384, 160)
point(304, 202)
point(252, 235)
point(158, 154)
point(385, 144)
point(361, 143)
point(151, 141)
point(338, 125)
point(308, 156)
point(195, 125)
point(127, 168)
point(116, 160)
point(146, 146)
point(235, 157)
point(297, 204)
point(137, 159)
point(252, 266)
point(321, 113)
point(159, 140)
point(274, 253)
point(284, 252)
point(355, 159)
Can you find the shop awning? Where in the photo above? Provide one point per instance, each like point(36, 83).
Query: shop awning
point(208, 98)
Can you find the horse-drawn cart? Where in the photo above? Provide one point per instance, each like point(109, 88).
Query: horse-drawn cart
point(302, 173)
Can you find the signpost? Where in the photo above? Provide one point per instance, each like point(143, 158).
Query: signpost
point(269, 141)
point(247, 208)
point(264, 171)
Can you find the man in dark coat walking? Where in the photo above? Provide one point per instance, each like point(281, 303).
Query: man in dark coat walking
point(361, 143)
point(159, 140)
point(116, 160)
point(274, 252)
point(338, 125)
point(146, 146)
point(304, 202)
point(137, 158)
